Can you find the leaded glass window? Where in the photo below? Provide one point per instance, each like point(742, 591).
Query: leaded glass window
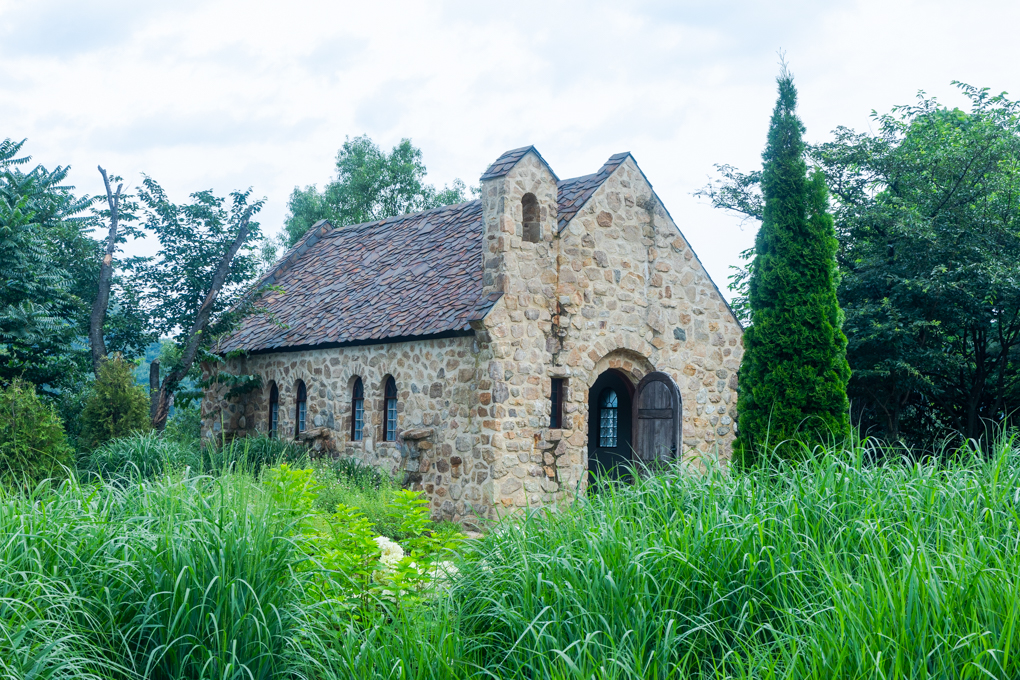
point(609, 419)
point(390, 429)
point(302, 408)
point(274, 410)
point(358, 411)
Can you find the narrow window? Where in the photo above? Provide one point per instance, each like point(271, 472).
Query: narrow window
point(609, 418)
point(357, 411)
point(302, 408)
point(390, 421)
point(559, 388)
point(274, 410)
point(532, 226)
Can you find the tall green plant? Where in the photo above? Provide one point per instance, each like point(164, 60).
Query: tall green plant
point(33, 445)
point(117, 405)
point(794, 372)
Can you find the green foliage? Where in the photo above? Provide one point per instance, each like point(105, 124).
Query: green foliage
point(932, 347)
point(186, 577)
point(185, 426)
point(347, 482)
point(252, 454)
point(117, 406)
point(292, 489)
point(794, 372)
point(193, 238)
point(38, 305)
point(830, 567)
point(33, 445)
point(50, 268)
point(145, 455)
point(370, 185)
point(929, 209)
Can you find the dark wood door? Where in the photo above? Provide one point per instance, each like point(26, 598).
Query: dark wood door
point(656, 420)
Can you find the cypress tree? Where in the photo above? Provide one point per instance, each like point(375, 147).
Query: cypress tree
point(794, 373)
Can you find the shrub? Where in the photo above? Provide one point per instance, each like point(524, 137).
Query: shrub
point(116, 406)
point(33, 445)
point(144, 455)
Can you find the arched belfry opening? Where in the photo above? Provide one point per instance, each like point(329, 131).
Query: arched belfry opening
point(610, 451)
point(532, 224)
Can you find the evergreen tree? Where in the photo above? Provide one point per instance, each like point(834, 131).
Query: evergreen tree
point(794, 373)
point(33, 445)
point(117, 405)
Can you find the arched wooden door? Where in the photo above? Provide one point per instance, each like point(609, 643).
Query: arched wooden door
point(656, 419)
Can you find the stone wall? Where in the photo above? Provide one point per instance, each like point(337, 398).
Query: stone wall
point(436, 413)
point(624, 291)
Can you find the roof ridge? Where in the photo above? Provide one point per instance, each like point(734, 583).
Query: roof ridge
point(573, 193)
point(404, 216)
point(508, 159)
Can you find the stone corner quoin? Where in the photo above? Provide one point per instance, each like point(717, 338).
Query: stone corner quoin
point(615, 287)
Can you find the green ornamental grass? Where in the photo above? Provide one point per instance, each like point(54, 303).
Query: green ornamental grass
point(850, 563)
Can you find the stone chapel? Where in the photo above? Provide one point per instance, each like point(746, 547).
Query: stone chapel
point(499, 353)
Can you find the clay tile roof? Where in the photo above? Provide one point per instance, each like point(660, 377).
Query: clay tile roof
point(413, 275)
point(509, 159)
point(573, 193)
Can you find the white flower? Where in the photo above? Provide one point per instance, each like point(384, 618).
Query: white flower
point(390, 552)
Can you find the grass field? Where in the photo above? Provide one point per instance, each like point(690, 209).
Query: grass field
point(839, 567)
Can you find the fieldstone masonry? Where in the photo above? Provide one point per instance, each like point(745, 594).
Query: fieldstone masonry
point(614, 287)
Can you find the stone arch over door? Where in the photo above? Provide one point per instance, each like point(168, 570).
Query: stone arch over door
point(657, 420)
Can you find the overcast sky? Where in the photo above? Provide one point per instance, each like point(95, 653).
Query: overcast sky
point(226, 95)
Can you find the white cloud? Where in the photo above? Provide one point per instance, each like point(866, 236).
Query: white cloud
point(226, 95)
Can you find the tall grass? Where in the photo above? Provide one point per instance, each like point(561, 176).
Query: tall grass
point(835, 568)
point(186, 577)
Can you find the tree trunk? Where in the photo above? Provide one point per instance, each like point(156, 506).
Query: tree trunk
point(98, 316)
point(153, 388)
point(171, 381)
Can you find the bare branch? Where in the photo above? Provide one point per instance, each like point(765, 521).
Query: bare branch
point(102, 301)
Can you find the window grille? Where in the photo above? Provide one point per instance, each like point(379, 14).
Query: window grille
point(609, 419)
point(357, 411)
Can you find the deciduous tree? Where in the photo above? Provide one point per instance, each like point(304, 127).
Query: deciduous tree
point(208, 255)
point(370, 185)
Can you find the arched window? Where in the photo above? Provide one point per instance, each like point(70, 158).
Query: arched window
point(532, 225)
point(609, 421)
point(357, 411)
point(301, 412)
point(390, 419)
point(274, 410)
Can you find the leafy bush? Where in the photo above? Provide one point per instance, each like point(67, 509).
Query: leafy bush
point(144, 456)
point(117, 406)
point(363, 569)
point(33, 445)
